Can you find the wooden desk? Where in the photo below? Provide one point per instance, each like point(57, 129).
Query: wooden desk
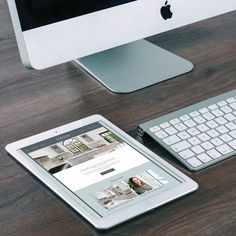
point(34, 101)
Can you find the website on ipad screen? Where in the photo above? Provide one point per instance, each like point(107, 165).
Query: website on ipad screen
point(102, 169)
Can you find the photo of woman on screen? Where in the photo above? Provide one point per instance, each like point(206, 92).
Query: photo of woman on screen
point(139, 186)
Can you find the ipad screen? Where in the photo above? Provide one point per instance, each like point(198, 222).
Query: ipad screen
point(101, 168)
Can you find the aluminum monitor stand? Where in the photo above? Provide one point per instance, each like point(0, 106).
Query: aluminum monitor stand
point(134, 66)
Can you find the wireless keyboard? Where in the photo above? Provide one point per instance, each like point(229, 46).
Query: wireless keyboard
point(199, 135)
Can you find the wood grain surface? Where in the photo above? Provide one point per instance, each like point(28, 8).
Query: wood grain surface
point(35, 101)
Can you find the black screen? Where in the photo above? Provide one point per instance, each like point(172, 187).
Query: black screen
point(36, 13)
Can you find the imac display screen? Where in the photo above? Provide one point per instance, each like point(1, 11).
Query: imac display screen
point(35, 13)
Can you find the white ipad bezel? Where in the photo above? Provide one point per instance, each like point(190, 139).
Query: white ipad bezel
point(78, 205)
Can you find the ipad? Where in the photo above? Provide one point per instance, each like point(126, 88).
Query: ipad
point(100, 171)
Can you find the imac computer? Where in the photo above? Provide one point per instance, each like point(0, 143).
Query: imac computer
point(105, 37)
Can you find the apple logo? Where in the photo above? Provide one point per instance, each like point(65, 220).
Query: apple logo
point(166, 12)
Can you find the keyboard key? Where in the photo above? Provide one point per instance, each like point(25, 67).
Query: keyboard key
point(212, 124)
point(213, 133)
point(216, 141)
point(203, 137)
point(199, 119)
point(161, 134)
point(183, 135)
point(180, 127)
point(222, 129)
point(186, 154)
point(231, 126)
point(217, 112)
point(194, 162)
point(178, 147)
point(203, 110)
point(194, 114)
point(230, 117)
point(164, 125)
point(213, 153)
point(224, 149)
point(208, 116)
point(226, 109)
point(233, 134)
point(174, 121)
point(171, 140)
point(193, 131)
point(213, 107)
point(171, 130)
point(154, 129)
point(207, 145)
point(190, 123)
point(204, 157)
point(233, 105)
point(230, 100)
point(184, 117)
point(202, 128)
point(226, 138)
point(197, 149)
point(233, 144)
point(194, 141)
point(220, 120)
point(222, 103)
